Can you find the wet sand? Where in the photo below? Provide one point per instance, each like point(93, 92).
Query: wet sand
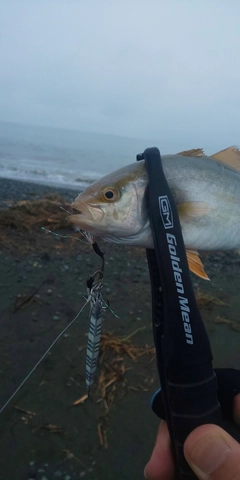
point(43, 435)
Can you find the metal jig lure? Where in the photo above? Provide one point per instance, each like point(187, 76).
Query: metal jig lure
point(94, 286)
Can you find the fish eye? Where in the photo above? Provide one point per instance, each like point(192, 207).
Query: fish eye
point(110, 194)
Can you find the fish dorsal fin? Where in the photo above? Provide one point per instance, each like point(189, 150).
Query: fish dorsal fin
point(229, 157)
point(194, 152)
point(195, 264)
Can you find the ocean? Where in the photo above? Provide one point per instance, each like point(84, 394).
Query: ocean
point(59, 157)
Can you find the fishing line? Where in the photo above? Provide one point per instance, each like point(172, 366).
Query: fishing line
point(107, 307)
point(64, 209)
point(65, 236)
point(91, 287)
point(44, 355)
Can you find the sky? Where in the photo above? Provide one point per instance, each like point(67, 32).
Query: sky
point(139, 68)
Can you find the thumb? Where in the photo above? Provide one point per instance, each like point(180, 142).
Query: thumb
point(212, 453)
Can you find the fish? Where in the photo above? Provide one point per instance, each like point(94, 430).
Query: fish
point(206, 190)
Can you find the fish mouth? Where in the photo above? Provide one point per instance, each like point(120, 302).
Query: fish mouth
point(86, 215)
point(75, 211)
point(82, 210)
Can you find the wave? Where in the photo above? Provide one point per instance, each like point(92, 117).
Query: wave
point(88, 177)
point(51, 178)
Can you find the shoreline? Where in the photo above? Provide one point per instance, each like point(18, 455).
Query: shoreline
point(41, 292)
point(13, 189)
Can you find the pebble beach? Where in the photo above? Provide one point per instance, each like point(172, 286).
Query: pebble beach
point(49, 429)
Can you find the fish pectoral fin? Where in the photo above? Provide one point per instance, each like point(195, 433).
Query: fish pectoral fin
point(194, 152)
point(229, 157)
point(195, 264)
point(193, 209)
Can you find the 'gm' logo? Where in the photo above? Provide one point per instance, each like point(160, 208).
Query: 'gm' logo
point(165, 212)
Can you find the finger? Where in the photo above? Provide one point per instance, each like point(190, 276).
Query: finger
point(160, 465)
point(236, 409)
point(213, 454)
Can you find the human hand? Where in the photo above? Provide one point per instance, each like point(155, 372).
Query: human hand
point(210, 451)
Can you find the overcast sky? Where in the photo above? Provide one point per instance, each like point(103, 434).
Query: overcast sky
point(142, 68)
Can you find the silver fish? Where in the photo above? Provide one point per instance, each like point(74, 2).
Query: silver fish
point(205, 189)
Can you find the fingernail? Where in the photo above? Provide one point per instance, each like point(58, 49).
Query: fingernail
point(209, 453)
point(145, 472)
